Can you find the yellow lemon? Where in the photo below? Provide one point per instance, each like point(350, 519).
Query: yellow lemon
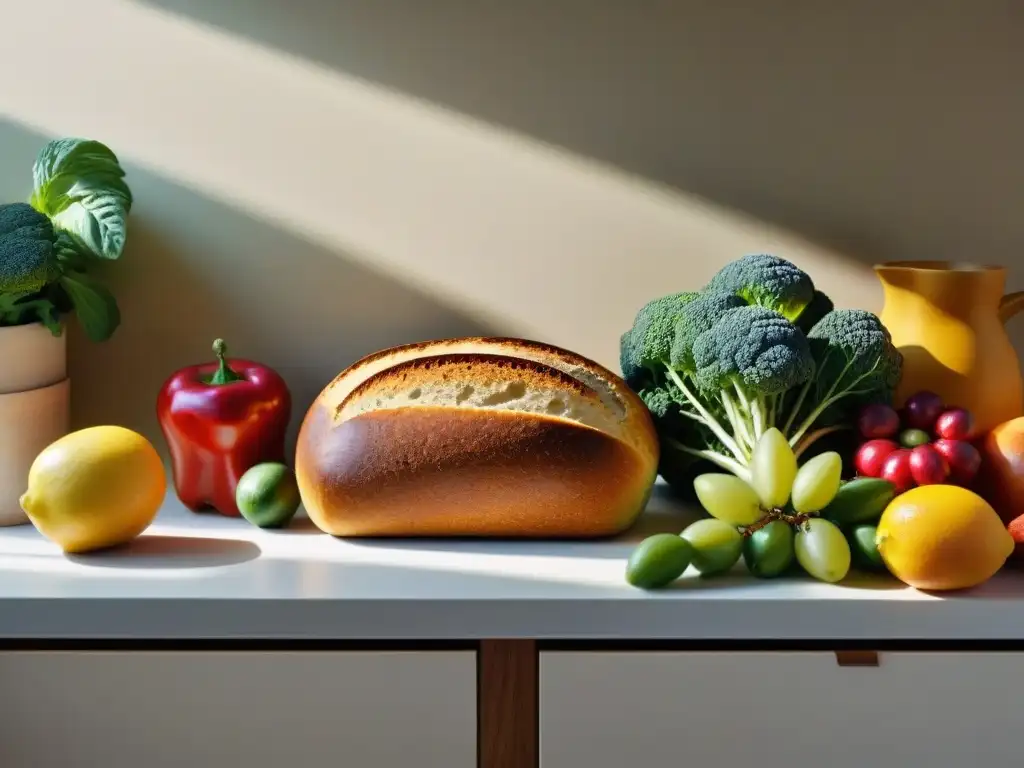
point(95, 488)
point(942, 537)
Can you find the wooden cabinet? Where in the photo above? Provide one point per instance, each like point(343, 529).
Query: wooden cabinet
point(259, 710)
point(942, 710)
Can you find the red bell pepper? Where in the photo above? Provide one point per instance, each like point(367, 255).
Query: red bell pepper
point(219, 419)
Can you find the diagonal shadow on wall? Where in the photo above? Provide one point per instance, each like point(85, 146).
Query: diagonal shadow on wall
point(195, 269)
point(871, 127)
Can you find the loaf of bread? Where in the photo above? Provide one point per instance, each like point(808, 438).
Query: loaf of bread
point(476, 437)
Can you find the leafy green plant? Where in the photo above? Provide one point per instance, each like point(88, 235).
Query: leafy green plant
point(76, 217)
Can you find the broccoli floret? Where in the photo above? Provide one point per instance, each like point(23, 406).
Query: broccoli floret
point(820, 306)
point(631, 373)
point(767, 281)
point(752, 356)
point(754, 349)
point(645, 347)
point(28, 249)
point(650, 340)
point(698, 316)
point(857, 363)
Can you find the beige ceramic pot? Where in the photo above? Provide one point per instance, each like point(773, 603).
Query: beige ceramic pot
point(29, 421)
point(31, 357)
point(35, 405)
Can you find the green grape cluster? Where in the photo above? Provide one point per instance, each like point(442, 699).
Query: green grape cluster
point(772, 522)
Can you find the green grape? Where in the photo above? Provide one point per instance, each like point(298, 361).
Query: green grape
point(716, 546)
point(822, 550)
point(773, 469)
point(658, 561)
point(728, 498)
point(865, 552)
point(817, 482)
point(768, 551)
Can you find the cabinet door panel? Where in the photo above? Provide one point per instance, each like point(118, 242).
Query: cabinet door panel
point(259, 710)
point(943, 710)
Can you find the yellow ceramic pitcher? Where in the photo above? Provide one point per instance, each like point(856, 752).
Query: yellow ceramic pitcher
point(947, 320)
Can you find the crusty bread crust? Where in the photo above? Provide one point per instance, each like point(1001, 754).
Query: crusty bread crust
point(476, 437)
point(451, 472)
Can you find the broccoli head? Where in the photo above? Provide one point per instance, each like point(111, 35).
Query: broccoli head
point(856, 363)
point(855, 353)
point(648, 344)
point(758, 347)
point(766, 281)
point(820, 306)
point(755, 349)
point(698, 316)
point(28, 249)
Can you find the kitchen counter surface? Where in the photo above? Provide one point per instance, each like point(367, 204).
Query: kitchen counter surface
point(208, 577)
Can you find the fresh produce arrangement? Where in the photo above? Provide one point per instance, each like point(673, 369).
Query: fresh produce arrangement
point(784, 515)
point(74, 219)
point(925, 443)
point(775, 411)
point(759, 347)
point(758, 371)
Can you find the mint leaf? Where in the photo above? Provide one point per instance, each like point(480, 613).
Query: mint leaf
point(80, 185)
point(94, 305)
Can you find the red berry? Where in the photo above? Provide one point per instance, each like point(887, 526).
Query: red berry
point(896, 470)
point(871, 456)
point(962, 457)
point(878, 420)
point(928, 466)
point(955, 424)
point(922, 409)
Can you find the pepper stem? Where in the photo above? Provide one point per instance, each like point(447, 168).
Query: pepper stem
point(223, 374)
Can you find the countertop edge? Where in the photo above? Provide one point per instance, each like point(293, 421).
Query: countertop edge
point(801, 621)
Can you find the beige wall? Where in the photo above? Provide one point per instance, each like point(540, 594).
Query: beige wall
point(318, 179)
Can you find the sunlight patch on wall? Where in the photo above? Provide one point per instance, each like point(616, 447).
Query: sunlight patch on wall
point(488, 220)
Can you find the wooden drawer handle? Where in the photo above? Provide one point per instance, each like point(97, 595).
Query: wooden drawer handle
point(857, 658)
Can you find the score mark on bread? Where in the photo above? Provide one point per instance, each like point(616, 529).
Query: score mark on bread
point(485, 382)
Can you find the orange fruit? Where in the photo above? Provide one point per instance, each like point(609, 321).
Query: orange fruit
point(942, 537)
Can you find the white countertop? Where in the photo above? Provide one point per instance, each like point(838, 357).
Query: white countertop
point(208, 577)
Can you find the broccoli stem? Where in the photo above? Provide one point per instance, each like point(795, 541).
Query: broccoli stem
point(753, 426)
point(797, 406)
point(828, 400)
point(719, 459)
point(739, 423)
point(758, 408)
point(809, 439)
point(709, 421)
point(771, 410)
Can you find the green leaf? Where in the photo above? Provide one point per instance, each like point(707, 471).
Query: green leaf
point(71, 256)
point(94, 305)
point(24, 308)
point(80, 185)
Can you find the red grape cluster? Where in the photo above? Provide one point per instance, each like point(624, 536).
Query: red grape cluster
point(924, 443)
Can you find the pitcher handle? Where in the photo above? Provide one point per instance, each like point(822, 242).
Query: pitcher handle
point(1010, 305)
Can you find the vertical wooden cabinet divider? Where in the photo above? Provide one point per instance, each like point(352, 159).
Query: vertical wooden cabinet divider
point(508, 728)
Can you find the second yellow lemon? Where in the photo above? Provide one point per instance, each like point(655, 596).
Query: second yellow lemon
point(942, 537)
point(95, 488)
